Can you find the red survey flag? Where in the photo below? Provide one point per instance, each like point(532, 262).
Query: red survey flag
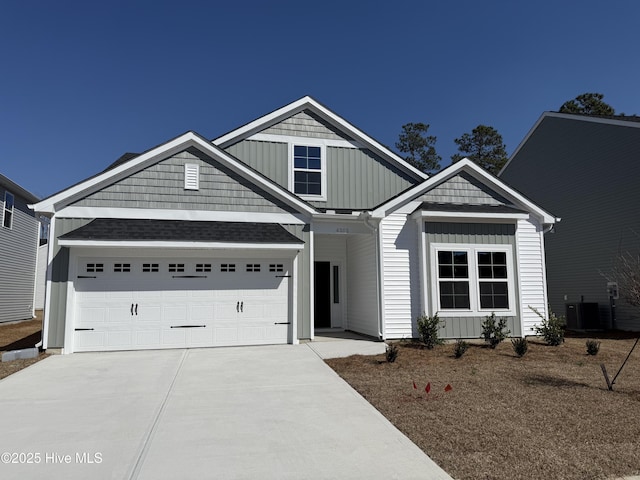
point(448, 387)
point(415, 387)
point(428, 387)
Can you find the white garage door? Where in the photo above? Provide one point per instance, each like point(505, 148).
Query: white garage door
point(126, 304)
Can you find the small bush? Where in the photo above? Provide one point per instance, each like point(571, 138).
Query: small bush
point(593, 346)
point(520, 346)
point(494, 330)
point(391, 353)
point(428, 330)
point(460, 347)
point(552, 329)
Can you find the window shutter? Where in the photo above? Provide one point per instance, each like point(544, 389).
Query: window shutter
point(191, 176)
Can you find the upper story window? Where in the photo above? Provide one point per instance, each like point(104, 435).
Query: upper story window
point(7, 211)
point(309, 171)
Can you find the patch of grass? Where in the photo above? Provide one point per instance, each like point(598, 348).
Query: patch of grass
point(542, 416)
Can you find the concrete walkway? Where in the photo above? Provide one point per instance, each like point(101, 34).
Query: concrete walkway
point(230, 413)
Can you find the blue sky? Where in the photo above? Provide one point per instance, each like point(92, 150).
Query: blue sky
point(83, 82)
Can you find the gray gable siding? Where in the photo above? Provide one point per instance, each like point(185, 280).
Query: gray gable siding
point(161, 186)
point(356, 178)
point(466, 233)
point(305, 124)
point(464, 189)
point(269, 158)
point(586, 173)
point(18, 253)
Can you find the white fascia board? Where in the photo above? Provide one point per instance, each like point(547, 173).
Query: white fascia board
point(187, 215)
point(470, 167)
point(176, 145)
point(173, 244)
point(471, 215)
point(320, 110)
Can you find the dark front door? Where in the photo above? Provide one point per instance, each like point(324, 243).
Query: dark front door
point(322, 302)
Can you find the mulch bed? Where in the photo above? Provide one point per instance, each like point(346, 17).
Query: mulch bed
point(546, 415)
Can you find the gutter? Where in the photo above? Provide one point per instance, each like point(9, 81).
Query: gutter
point(366, 216)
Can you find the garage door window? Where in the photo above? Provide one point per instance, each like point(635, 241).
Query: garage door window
point(253, 267)
point(203, 267)
point(276, 267)
point(95, 267)
point(228, 267)
point(150, 267)
point(176, 267)
point(122, 267)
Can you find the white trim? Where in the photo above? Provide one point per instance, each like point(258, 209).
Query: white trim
point(323, 169)
point(472, 250)
point(425, 303)
point(308, 103)
point(70, 309)
point(312, 296)
point(189, 139)
point(175, 244)
point(293, 285)
point(478, 172)
point(327, 142)
point(193, 215)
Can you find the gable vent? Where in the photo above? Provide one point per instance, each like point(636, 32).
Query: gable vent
point(191, 176)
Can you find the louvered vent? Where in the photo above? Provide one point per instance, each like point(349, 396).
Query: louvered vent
point(191, 176)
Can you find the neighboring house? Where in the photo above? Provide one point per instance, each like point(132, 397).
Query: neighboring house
point(41, 276)
point(586, 170)
point(19, 232)
point(294, 222)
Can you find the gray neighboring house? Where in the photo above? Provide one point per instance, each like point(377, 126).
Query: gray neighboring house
point(293, 223)
point(587, 171)
point(19, 237)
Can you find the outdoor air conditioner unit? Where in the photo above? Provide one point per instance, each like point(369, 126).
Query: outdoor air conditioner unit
point(583, 316)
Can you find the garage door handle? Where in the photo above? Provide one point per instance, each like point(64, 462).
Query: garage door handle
point(241, 306)
point(188, 326)
point(238, 307)
point(84, 329)
point(282, 323)
point(132, 309)
point(136, 309)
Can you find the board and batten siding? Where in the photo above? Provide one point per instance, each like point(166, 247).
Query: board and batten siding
point(18, 251)
point(470, 233)
point(302, 277)
point(401, 280)
point(161, 186)
point(41, 276)
point(59, 265)
point(356, 178)
point(362, 285)
point(531, 274)
point(585, 172)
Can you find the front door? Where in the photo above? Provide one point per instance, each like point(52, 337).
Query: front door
point(322, 302)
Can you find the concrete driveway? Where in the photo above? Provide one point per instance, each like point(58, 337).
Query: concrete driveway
point(228, 413)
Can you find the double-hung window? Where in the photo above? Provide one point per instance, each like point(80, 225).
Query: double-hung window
point(473, 279)
point(7, 211)
point(307, 170)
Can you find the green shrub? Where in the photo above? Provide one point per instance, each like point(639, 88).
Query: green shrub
point(391, 353)
point(593, 347)
point(428, 330)
point(552, 329)
point(520, 346)
point(494, 330)
point(460, 347)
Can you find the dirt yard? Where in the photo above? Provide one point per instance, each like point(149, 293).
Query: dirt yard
point(546, 415)
point(16, 336)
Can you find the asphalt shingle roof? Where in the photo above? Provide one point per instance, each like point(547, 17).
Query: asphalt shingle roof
point(116, 229)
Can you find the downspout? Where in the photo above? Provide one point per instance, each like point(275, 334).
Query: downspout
point(366, 216)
